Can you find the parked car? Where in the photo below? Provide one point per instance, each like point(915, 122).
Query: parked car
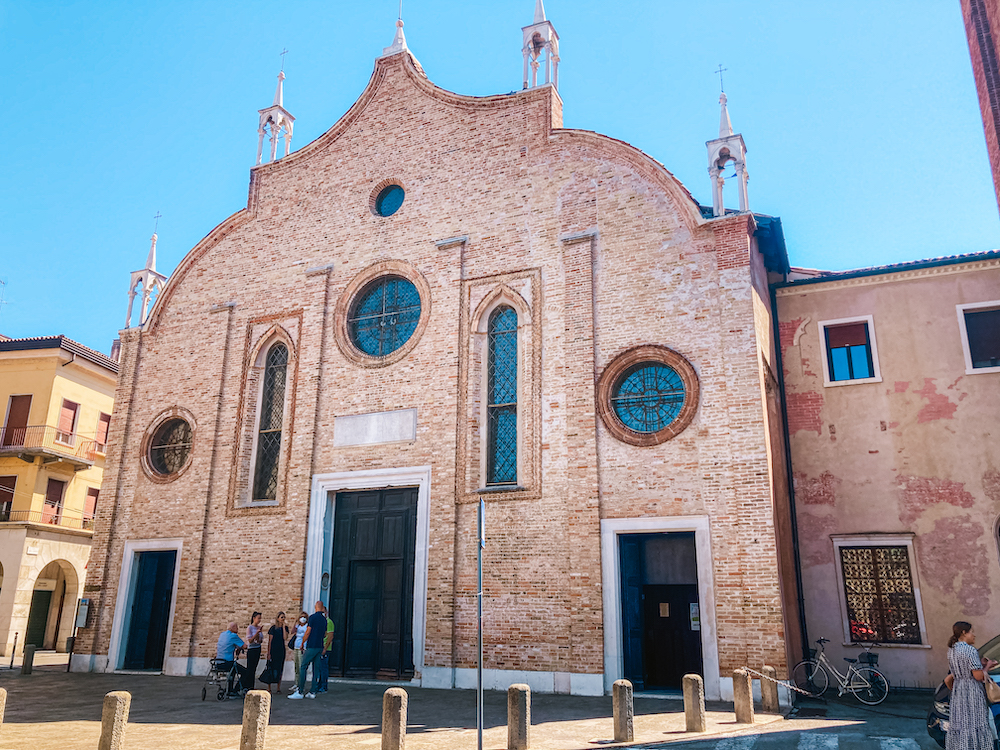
point(937, 717)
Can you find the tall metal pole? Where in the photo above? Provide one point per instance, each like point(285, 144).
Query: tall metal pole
point(479, 669)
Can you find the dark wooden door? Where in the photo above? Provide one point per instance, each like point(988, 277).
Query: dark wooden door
point(38, 617)
point(671, 644)
point(630, 547)
point(153, 584)
point(371, 601)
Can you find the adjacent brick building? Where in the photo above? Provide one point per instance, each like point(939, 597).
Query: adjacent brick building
point(982, 26)
point(441, 299)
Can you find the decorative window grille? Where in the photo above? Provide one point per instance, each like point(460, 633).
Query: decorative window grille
point(385, 316)
point(272, 413)
point(501, 411)
point(878, 586)
point(648, 397)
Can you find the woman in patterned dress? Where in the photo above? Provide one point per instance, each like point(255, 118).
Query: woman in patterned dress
point(970, 722)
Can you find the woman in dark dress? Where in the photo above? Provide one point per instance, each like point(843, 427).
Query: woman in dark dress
point(276, 638)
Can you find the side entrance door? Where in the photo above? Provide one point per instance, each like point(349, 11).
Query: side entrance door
point(152, 589)
point(371, 599)
point(38, 617)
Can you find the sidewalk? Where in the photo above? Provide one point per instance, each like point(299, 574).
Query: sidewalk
point(58, 711)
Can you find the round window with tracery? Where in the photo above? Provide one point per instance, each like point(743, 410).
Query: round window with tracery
point(170, 447)
point(384, 316)
point(647, 395)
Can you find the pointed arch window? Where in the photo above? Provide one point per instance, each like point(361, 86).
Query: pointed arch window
point(272, 413)
point(501, 459)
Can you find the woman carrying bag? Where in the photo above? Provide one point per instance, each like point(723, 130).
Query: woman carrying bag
point(971, 724)
point(276, 638)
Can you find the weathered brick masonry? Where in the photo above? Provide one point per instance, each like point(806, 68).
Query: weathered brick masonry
point(601, 249)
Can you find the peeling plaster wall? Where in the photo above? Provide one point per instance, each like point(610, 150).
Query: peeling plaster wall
point(916, 453)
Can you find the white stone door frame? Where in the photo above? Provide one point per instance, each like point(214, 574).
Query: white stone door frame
point(319, 537)
point(171, 665)
point(611, 529)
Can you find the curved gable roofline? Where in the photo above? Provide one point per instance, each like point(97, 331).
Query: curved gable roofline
point(642, 162)
point(419, 80)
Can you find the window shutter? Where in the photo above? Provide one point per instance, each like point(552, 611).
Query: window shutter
point(67, 416)
point(90, 504)
point(103, 422)
point(54, 492)
point(852, 334)
point(7, 485)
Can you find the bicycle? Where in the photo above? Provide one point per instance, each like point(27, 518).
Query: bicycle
point(812, 677)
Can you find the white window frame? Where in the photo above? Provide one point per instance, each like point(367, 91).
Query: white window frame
point(878, 540)
point(960, 309)
point(876, 371)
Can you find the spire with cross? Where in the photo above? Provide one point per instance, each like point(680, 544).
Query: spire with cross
point(275, 121)
point(147, 283)
point(540, 49)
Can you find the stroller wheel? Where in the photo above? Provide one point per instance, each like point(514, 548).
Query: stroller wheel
point(221, 694)
point(204, 693)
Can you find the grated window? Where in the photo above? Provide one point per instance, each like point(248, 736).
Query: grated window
point(272, 413)
point(502, 390)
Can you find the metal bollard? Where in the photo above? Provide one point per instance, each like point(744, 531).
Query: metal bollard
point(742, 696)
point(256, 714)
point(27, 658)
point(694, 703)
point(518, 717)
point(623, 709)
point(769, 690)
point(114, 719)
point(394, 719)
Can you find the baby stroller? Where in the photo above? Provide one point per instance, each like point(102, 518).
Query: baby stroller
point(221, 675)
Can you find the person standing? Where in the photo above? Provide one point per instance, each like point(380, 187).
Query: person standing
point(276, 637)
point(971, 722)
point(324, 659)
point(312, 648)
point(296, 645)
point(255, 638)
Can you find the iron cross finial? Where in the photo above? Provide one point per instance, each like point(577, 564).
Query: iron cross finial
point(720, 71)
point(283, 53)
point(156, 221)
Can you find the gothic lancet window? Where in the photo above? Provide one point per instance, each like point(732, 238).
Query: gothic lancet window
point(501, 461)
point(272, 412)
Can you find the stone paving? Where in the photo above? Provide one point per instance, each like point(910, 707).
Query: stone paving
point(53, 710)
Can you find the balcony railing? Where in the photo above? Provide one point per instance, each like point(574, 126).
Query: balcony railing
point(50, 516)
point(48, 441)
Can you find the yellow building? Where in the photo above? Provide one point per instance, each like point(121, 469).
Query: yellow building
point(57, 397)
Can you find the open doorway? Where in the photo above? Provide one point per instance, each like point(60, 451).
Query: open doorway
point(660, 609)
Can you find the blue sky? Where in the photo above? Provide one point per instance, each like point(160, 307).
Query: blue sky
point(861, 119)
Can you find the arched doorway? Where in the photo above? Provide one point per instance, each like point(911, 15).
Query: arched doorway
point(53, 606)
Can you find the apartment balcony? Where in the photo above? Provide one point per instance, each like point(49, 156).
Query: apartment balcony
point(49, 517)
point(53, 446)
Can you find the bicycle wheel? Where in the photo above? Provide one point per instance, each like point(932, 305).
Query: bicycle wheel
point(869, 686)
point(810, 677)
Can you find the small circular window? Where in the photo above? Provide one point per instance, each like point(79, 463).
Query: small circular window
point(384, 316)
point(388, 200)
point(170, 447)
point(647, 395)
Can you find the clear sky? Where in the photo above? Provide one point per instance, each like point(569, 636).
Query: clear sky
point(861, 119)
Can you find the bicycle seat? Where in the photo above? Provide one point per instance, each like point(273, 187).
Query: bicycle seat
point(850, 661)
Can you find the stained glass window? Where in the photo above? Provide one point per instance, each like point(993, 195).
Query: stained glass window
point(648, 397)
point(272, 413)
point(385, 316)
point(170, 447)
point(880, 602)
point(389, 200)
point(502, 391)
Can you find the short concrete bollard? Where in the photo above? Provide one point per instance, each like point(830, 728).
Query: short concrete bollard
point(3, 704)
point(256, 715)
point(769, 691)
point(743, 696)
point(114, 719)
point(394, 719)
point(518, 717)
point(624, 710)
point(27, 659)
point(694, 703)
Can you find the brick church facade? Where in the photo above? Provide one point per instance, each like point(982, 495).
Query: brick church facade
point(441, 299)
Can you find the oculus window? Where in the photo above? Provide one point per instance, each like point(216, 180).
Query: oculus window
point(388, 200)
point(170, 447)
point(385, 316)
point(647, 395)
point(272, 414)
point(501, 450)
